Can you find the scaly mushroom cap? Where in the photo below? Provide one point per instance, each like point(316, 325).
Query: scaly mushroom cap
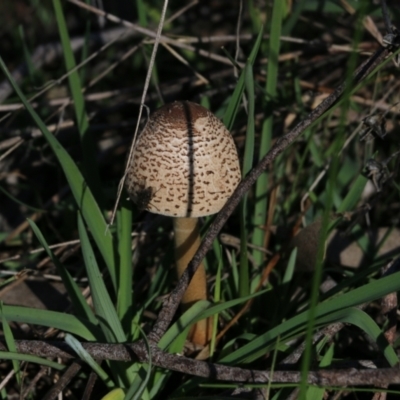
point(184, 163)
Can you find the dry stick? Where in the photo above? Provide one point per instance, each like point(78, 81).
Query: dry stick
point(7, 378)
point(138, 352)
point(181, 59)
point(89, 386)
point(181, 11)
point(329, 331)
point(34, 381)
point(368, 22)
point(172, 302)
point(18, 143)
point(61, 384)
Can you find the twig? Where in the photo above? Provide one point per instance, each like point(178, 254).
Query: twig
point(138, 352)
point(66, 378)
point(172, 302)
point(181, 59)
point(33, 382)
point(329, 331)
point(6, 379)
point(181, 11)
point(89, 386)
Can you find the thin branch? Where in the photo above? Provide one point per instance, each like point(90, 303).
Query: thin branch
point(172, 302)
point(64, 380)
point(181, 11)
point(138, 352)
point(89, 386)
point(32, 384)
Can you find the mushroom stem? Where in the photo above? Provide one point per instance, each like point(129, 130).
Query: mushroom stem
point(187, 241)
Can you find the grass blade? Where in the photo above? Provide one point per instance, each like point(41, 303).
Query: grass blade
point(9, 338)
point(261, 190)
point(125, 271)
point(4, 355)
point(244, 287)
point(87, 143)
point(103, 305)
point(236, 98)
point(217, 294)
point(138, 387)
point(315, 392)
point(85, 356)
point(115, 394)
point(52, 319)
point(354, 194)
point(70, 64)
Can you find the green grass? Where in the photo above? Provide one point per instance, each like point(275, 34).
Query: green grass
point(261, 189)
point(127, 268)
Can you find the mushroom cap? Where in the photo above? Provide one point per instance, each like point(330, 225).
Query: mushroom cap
point(184, 163)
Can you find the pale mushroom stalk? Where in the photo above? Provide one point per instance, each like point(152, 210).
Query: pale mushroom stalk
point(187, 241)
point(185, 166)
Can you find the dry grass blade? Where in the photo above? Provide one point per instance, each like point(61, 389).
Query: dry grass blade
point(64, 380)
point(145, 88)
point(201, 78)
point(152, 34)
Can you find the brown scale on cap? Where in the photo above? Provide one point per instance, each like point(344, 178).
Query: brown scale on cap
point(187, 158)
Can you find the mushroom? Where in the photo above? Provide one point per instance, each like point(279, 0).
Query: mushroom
point(184, 165)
